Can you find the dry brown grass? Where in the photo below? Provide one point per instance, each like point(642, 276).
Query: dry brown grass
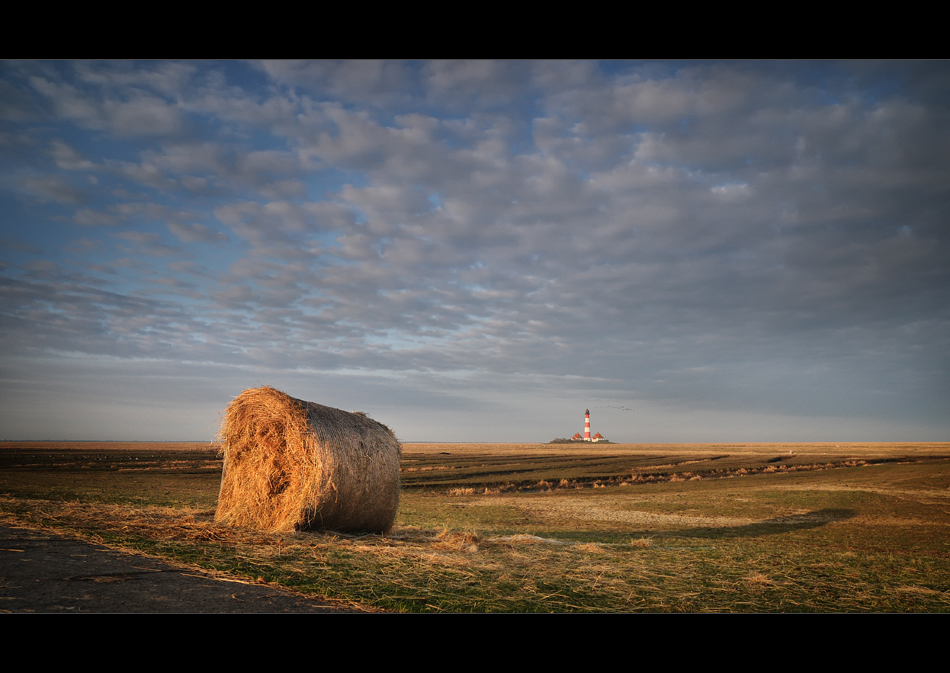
point(291, 464)
point(758, 580)
point(590, 548)
point(458, 541)
point(819, 535)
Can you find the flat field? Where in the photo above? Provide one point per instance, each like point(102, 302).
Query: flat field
point(546, 528)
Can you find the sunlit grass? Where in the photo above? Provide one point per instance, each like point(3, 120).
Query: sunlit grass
point(871, 537)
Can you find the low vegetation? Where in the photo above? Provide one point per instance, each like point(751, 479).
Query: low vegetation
point(542, 528)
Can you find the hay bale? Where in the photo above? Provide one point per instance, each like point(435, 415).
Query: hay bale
point(291, 464)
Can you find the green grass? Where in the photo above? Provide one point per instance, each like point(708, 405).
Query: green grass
point(488, 529)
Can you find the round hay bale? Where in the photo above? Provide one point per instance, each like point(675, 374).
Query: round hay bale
point(291, 464)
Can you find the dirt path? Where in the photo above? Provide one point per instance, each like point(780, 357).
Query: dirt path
point(48, 573)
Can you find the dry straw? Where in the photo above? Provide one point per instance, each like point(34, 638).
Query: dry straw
point(291, 464)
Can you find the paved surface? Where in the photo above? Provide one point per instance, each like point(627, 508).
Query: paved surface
point(48, 573)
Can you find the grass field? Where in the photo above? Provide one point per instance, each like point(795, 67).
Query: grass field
point(540, 528)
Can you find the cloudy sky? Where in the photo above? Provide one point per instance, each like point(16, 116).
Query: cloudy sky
point(478, 251)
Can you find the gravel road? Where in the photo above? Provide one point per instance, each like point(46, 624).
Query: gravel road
point(41, 572)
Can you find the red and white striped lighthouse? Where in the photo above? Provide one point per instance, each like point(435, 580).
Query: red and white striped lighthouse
point(587, 425)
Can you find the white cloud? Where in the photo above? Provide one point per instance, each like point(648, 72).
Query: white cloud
point(195, 232)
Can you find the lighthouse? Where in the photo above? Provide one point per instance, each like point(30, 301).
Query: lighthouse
point(587, 425)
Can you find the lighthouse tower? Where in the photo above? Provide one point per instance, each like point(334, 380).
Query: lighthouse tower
point(587, 425)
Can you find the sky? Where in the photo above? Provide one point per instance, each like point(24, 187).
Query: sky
point(478, 251)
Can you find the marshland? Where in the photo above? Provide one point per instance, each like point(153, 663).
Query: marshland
point(544, 528)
